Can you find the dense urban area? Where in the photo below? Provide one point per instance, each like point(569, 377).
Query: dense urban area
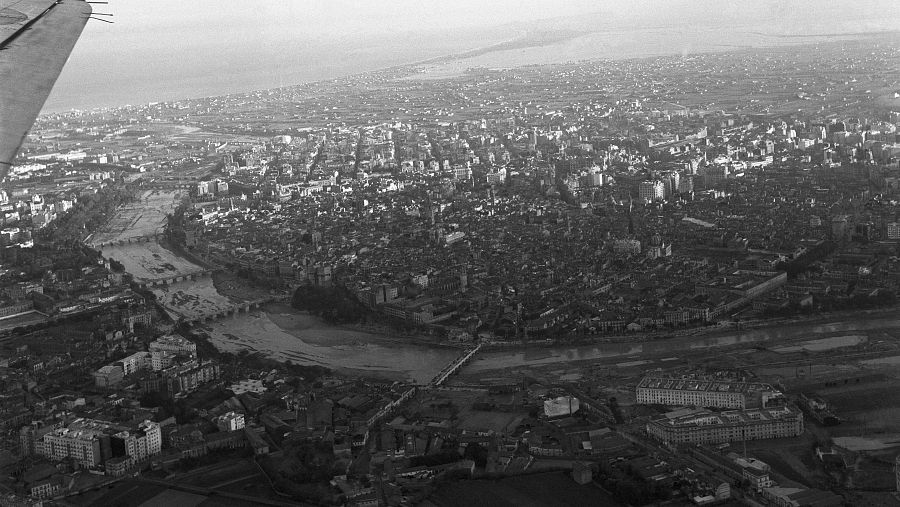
point(666, 280)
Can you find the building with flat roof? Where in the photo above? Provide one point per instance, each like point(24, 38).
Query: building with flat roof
point(699, 392)
point(230, 421)
point(700, 426)
point(175, 345)
point(138, 444)
point(82, 445)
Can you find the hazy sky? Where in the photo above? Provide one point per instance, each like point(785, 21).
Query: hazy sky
point(169, 49)
point(343, 18)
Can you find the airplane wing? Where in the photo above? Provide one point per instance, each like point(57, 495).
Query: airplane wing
point(36, 37)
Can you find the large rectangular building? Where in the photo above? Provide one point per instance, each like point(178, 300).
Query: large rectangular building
point(138, 445)
point(82, 445)
point(698, 392)
point(704, 427)
point(175, 345)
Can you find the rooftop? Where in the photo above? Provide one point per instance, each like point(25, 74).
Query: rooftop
point(689, 384)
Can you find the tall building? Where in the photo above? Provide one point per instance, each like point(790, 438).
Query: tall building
point(231, 421)
point(140, 444)
point(670, 182)
point(650, 191)
point(161, 359)
point(893, 230)
point(134, 363)
point(840, 228)
point(189, 376)
point(82, 445)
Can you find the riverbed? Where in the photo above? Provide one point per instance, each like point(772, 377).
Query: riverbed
point(283, 333)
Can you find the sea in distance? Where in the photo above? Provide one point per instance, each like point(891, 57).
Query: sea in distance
point(113, 69)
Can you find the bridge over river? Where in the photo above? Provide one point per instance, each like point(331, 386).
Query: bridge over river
point(454, 366)
point(232, 310)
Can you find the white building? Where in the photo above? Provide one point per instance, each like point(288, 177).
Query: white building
point(698, 426)
point(175, 345)
point(650, 191)
point(161, 359)
point(143, 443)
point(698, 392)
point(82, 445)
point(231, 421)
point(135, 362)
point(563, 405)
point(893, 230)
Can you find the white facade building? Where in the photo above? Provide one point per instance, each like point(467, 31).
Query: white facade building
point(175, 345)
point(231, 421)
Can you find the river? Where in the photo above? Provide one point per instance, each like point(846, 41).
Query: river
point(820, 336)
point(284, 333)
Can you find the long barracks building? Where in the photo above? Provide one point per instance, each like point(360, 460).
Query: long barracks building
point(700, 426)
point(704, 393)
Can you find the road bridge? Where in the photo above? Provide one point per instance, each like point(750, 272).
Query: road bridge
point(146, 238)
point(235, 309)
point(147, 283)
point(454, 366)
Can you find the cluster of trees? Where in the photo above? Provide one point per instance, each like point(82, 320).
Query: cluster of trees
point(88, 214)
point(807, 262)
point(333, 304)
